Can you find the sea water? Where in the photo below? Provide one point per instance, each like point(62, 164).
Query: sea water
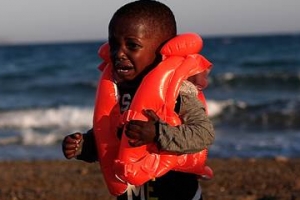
point(47, 91)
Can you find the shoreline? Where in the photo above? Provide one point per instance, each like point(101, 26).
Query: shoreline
point(234, 178)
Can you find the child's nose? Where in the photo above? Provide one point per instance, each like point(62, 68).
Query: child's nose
point(119, 53)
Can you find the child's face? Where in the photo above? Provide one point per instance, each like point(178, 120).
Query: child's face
point(133, 48)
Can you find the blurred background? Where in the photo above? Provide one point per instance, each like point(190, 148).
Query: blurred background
point(48, 73)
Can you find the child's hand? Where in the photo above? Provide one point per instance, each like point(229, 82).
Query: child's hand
point(72, 145)
point(141, 132)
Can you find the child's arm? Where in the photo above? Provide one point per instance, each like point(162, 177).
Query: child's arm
point(88, 151)
point(193, 135)
point(80, 146)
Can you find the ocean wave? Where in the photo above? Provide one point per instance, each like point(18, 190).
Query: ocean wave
point(277, 114)
point(63, 116)
point(69, 116)
point(267, 79)
point(43, 126)
point(48, 126)
point(32, 137)
point(272, 62)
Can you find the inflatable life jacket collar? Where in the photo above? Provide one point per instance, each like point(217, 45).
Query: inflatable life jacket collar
point(104, 54)
point(181, 45)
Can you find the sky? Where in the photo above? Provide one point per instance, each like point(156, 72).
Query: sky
point(36, 21)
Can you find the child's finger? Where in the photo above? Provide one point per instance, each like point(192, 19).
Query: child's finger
point(72, 139)
point(69, 154)
point(151, 115)
point(69, 139)
point(135, 143)
point(77, 136)
point(71, 146)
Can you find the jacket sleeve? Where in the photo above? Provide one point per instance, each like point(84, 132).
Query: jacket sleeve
point(88, 150)
point(193, 135)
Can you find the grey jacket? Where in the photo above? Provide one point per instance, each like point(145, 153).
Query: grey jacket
point(196, 131)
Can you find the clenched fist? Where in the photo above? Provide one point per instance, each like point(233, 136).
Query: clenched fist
point(142, 132)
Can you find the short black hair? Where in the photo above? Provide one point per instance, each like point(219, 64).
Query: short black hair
point(156, 14)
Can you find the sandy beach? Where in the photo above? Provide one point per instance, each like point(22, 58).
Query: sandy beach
point(235, 179)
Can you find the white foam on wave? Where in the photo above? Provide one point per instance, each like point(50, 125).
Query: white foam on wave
point(215, 108)
point(70, 116)
point(65, 116)
point(47, 126)
point(31, 137)
point(44, 126)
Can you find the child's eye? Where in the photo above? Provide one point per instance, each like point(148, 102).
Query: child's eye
point(133, 46)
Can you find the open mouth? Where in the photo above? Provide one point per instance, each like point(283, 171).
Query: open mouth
point(123, 69)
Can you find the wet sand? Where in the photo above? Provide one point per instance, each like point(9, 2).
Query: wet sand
point(235, 179)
